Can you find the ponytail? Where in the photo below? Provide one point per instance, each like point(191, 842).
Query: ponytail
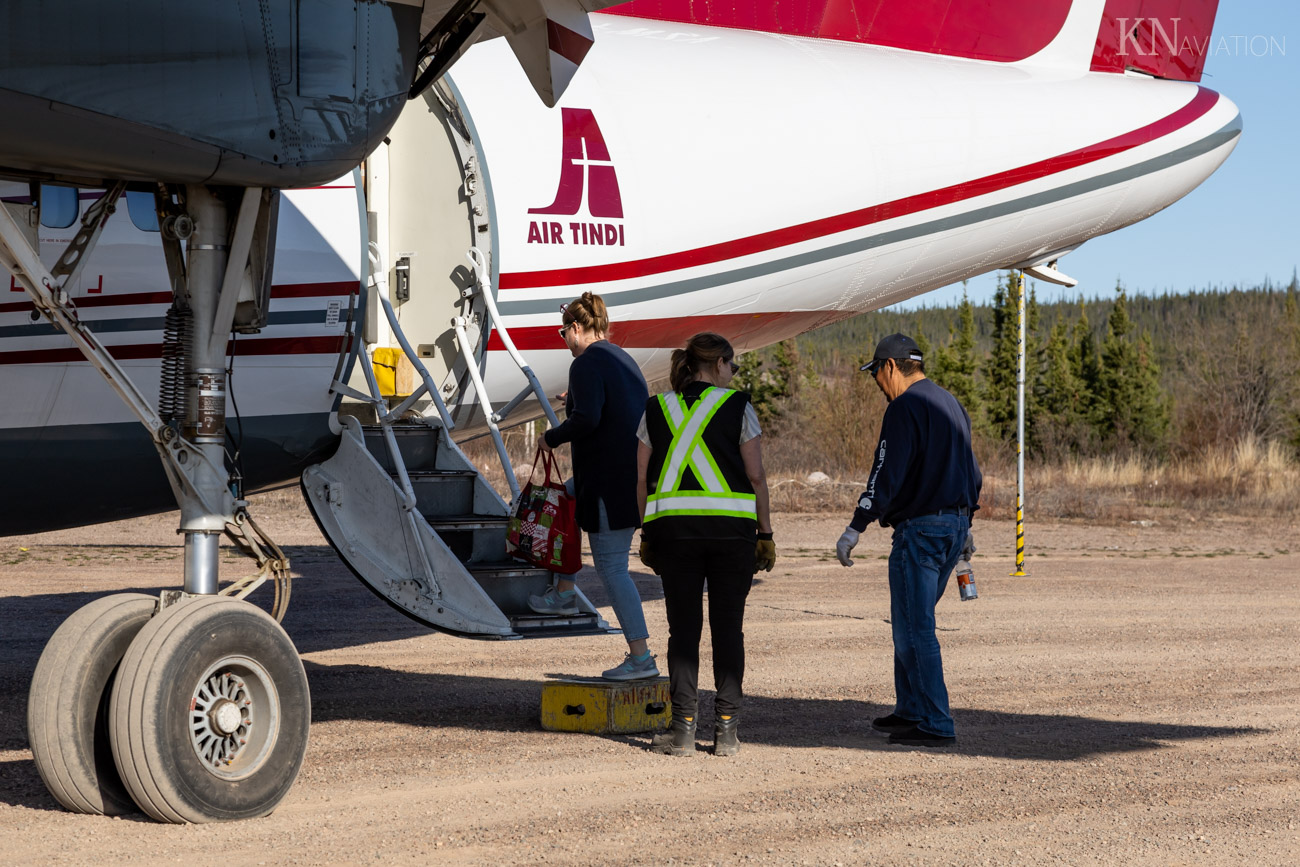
point(589, 312)
point(701, 352)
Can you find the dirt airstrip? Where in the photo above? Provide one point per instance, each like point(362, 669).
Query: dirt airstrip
point(1135, 701)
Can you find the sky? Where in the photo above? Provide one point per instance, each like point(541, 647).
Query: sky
point(1243, 224)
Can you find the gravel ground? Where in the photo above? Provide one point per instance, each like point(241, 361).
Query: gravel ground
point(1134, 701)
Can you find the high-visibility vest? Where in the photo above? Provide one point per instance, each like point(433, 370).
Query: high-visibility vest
point(698, 473)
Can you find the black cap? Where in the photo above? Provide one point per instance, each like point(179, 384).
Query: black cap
point(897, 346)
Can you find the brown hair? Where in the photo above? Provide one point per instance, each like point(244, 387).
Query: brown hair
point(702, 352)
point(589, 312)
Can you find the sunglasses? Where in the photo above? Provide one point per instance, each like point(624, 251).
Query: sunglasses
point(565, 328)
point(735, 368)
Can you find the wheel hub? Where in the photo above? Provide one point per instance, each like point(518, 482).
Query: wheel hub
point(234, 713)
point(225, 717)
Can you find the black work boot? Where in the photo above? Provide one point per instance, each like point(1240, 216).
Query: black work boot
point(679, 740)
point(725, 742)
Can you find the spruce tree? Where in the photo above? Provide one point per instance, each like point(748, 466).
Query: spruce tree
point(1137, 412)
point(1001, 367)
point(1086, 367)
point(1061, 423)
point(1291, 356)
point(785, 373)
point(770, 385)
point(1035, 370)
point(957, 363)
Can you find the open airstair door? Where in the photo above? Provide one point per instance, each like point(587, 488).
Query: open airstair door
point(399, 501)
point(442, 563)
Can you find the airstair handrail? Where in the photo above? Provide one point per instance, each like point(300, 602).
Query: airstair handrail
point(484, 402)
point(428, 385)
point(377, 264)
point(483, 278)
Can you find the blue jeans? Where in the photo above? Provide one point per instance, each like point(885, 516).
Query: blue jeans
point(609, 551)
point(925, 550)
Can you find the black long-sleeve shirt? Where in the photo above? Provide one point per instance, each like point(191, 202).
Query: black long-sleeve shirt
point(607, 396)
point(923, 462)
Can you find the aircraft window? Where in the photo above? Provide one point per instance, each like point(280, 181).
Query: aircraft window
point(59, 206)
point(140, 207)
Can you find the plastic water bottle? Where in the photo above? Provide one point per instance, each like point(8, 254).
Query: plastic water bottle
point(966, 581)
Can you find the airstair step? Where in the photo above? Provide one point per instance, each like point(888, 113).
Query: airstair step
point(436, 475)
point(462, 523)
point(499, 569)
point(552, 625)
point(416, 442)
point(472, 537)
point(443, 492)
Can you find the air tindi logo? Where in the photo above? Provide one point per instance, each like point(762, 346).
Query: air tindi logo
point(586, 175)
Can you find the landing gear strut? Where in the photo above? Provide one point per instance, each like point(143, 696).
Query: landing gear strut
point(206, 717)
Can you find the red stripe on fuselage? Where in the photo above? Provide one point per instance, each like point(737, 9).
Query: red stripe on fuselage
point(1201, 103)
point(245, 348)
point(127, 299)
point(745, 330)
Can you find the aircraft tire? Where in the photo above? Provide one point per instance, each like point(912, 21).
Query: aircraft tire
point(210, 713)
point(67, 706)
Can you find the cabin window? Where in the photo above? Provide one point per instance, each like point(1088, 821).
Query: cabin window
point(141, 208)
point(59, 206)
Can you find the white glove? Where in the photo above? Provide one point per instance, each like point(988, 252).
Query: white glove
point(845, 546)
point(968, 549)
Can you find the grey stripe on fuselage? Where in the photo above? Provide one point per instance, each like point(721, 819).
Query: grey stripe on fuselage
point(979, 215)
point(150, 323)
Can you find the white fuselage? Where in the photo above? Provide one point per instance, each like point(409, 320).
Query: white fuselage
point(751, 184)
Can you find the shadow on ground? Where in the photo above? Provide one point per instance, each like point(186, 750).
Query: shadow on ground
point(348, 692)
point(332, 610)
point(362, 692)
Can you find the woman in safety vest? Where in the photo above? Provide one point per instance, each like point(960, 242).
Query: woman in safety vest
point(703, 498)
point(605, 397)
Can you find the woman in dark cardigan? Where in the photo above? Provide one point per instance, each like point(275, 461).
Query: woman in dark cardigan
point(607, 395)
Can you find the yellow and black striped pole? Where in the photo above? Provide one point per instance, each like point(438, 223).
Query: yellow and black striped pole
point(1019, 285)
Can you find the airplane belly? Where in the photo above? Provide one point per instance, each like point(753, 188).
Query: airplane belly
point(76, 474)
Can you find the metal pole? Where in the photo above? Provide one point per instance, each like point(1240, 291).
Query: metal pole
point(1020, 426)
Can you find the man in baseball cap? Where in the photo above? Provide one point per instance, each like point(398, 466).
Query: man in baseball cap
point(925, 484)
point(898, 347)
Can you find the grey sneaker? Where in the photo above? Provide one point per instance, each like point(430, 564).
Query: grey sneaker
point(554, 602)
point(632, 668)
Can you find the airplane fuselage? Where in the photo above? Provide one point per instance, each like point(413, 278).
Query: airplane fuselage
point(697, 178)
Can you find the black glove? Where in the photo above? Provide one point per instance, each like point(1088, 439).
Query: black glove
point(647, 555)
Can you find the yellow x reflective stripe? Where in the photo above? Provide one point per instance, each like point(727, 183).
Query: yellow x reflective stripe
point(687, 445)
point(706, 469)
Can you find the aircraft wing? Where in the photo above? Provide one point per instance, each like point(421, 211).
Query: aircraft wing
point(549, 37)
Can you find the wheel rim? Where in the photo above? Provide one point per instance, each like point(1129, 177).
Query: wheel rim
point(234, 717)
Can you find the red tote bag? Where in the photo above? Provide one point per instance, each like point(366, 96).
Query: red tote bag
point(544, 526)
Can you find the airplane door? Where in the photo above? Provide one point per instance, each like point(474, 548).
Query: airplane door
point(428, 204)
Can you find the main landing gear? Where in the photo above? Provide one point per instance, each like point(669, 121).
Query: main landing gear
point(210, 712)
point(192, 707)
point(199, 713)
